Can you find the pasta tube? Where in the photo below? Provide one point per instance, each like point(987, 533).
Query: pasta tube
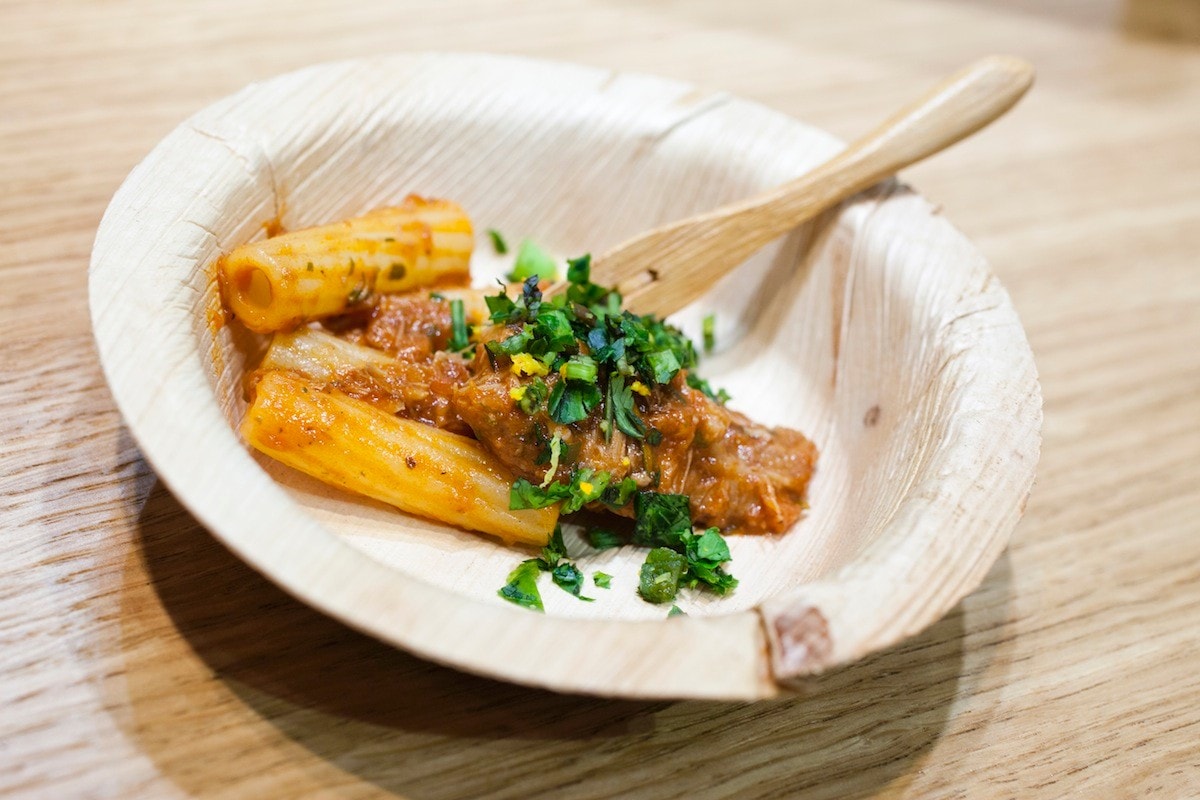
point(323, 357)
point(280, 282)
point(414, 467)
point(417, 389)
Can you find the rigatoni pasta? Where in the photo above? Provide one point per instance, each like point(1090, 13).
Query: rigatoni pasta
point(321, 356)
point(414, 467)
point(278, 283)
point(327, 406)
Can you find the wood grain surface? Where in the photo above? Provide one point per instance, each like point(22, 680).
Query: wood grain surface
point(138, 658)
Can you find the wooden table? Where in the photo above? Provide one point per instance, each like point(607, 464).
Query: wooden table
point(139, 658)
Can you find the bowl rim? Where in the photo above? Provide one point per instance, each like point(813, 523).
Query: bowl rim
point(744, 655)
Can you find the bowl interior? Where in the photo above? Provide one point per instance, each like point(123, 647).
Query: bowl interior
point(851, 329)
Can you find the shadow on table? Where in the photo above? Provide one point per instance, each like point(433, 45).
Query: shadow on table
point(281, 694)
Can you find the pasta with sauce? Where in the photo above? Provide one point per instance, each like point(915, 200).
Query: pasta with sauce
point(389, 376)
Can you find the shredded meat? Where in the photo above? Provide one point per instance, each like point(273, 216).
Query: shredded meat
point(740, 476)
point(746, 476)
point(414, 328)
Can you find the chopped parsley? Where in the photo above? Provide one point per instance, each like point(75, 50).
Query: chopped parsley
point(705, 555)
point(603, 358)
point(514, 344)
point(620, 411)
point(680, 557)
point(504, 309)
point(572, 403)
point(554, 551)
point(676, 611)
point(578, 356)
point(618, 494)
point(701, 385)
point(522, 586)
point(553, 331)
point(664, 521)
point(533, 261)
point(524, 494)
point(498, 243)
point(532, 396)
point(602, 539)
point(586, 486)
point(579, 270)
point(661, 519)
point(568, 578)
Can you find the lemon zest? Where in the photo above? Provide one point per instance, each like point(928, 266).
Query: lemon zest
point(525, 364)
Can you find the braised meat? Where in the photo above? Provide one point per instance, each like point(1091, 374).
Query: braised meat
point(420, 384)
point(740, 476)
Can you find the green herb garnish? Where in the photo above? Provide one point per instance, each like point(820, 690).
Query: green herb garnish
point(658, 581)
point(601, 359)
point(460, 334)
point(603, 539)
point(579, 270)
point(533, 395)
point(663, 365)
point(554, 551)
point(676, 611)
point(705, 555)
point(602, 580)
point(568, 578)
point(580, 368)
point(709, 328)
point(701, 385)
point(533, 261)
point(618, 494)
point(524, 494)
point(553, 331)
point(605, 356)
point(664, 520)
point(555, 449)
point(504, 309)
point(498, 243)
point(587, 486)
point(661, 519)
point(522, 586)
point(510, 346)
point(570, 403)
point(620, 411)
